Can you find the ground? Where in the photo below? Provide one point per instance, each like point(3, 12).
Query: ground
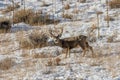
point(17, 63)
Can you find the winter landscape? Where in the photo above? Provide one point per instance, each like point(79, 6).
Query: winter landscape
point(59, 39)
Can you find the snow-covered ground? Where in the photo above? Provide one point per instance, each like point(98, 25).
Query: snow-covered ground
point(29, 66)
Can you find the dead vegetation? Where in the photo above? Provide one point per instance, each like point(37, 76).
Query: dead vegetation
point(67, 6)
point(36, 55)
point(30, 17)
point(108, 18)
point(114, 4)
point(6, 63)
point(36, 39)
point(11, 8)
point(82, 1)
point(76, 11)
point(53, 61)
point(67, 16)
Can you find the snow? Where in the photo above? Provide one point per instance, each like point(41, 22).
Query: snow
point(106, 67)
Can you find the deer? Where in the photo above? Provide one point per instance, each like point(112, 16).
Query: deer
point(80, 41)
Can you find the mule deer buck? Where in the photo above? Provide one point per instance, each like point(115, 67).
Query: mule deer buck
point(81, 41)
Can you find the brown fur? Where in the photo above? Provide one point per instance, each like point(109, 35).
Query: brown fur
point(78, 41)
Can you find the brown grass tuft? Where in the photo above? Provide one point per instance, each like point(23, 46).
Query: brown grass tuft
point(109, 18)
point(23, 15)
point(67, 16)
point(114, 4)
point(36, 39)
point(6, 64)
point(67, 6)
point(11, 8)
point(82, 1)
point(50, 62)
point(32, 18)
point(39, 56)
point(110, 39)
point(57, 60)
point(25, 55)
point(76, 11)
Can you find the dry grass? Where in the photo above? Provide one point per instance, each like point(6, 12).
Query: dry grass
point(91, 33)
point(50, 62)
point(36, 39)
point(3, 19)
point(57, 61)
point(39, 56)
point(23, 15)
point(25, 55)
point(11, 8)
point(6, 64)
point(67, 6)
point(114, 4)
point(76, 11)
point(111, 38)
point(82, 1)
point(53, 61)
point(32, 18)
point(67, 16)
point(109, 18)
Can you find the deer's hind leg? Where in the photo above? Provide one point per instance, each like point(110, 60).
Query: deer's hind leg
point(84, 52)
point(91, 51)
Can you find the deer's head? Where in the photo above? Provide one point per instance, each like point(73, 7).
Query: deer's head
point(82, 38)
point(56, 34)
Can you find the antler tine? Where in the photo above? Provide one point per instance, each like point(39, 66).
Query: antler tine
point(61, 31)
point(51, 34)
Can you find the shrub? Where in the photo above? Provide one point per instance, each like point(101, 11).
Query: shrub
point(67, 6)
point(11, 8)
point(23, 16)
point(68, 16)
point(57, 60)
point(109, 18)
point(50, 62)
point(6, 63)
point(114, 4)
point(39, 55)
point(32, 18)
point(82, 1)
point(76, 11)
point(36, 39)
point(110, 38)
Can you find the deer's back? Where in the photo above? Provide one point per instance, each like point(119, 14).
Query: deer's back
point(70, 44)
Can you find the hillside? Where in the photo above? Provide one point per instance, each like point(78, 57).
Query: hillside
point(26, 52)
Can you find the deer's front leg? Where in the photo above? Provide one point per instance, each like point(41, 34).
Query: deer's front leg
point(69, 51)
point(66, 53)
point(84, 52)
